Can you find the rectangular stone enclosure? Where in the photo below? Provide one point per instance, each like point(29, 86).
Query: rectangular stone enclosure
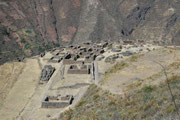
point(85, 69)
point(57, 102)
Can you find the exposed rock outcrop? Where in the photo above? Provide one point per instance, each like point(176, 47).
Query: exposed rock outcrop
point(29, 27)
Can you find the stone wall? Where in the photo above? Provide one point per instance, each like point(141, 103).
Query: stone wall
point(67, 62)
point(88, 61)
point(77, 71)
point(46, 104)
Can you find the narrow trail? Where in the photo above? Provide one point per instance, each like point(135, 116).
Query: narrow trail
point(20, 116)
point(7, 82)
point(2, 90)
point(78, 85)
point(43, 94)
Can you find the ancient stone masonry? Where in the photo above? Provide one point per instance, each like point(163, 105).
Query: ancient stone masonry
point(57, 101)
point(20, 59)
point(81, 69)
point(71, 59)
point(79, 60)
point(130, 42)
point(43, 54)
point(56, 59)
point(127, 53)
point(47, 72)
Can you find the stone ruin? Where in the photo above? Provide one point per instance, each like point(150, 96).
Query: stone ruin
point(126, 42)
point(112, 58)
point(43, 54)
point(56, 59)
point(127, 53)
point(79, 69)
point(57, 101)
point(99, 58)
point(20, 59)
point(87, 51)
point(47, 72)
point(71, 59)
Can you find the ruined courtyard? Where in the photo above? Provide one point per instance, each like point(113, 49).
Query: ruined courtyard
point(61, 76)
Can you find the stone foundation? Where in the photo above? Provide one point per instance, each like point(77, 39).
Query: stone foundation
point(57, 101)
point(46, 104)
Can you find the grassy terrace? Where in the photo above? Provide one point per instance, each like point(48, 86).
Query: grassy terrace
point(119, 66)
point(115, 69)
point(149, 102)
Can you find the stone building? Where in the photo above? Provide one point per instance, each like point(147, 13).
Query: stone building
point(57, 101)
point(56, 59)
point(47, 72)
point(79, 69)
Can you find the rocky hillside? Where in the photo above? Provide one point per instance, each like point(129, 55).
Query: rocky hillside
point(28, 27)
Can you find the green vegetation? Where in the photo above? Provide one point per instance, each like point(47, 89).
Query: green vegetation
point(40, 49)
point(23, 40)
point(28, 31)
point(96, 96)
point(148, 88)
point(147, 103)
point(135, 57)
point(48, 47)
point(80, 103)
point(27, 46)
point(56, 44)
point(117, 67)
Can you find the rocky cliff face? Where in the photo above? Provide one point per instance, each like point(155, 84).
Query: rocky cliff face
point(28, 27)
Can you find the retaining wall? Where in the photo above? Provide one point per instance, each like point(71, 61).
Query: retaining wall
point(86, 71)
point(46, 104)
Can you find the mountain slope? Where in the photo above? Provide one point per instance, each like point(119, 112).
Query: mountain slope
point(29, 27)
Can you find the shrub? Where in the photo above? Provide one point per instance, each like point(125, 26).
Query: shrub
point(148, 88)
point(111, 103)
point(28, 31)
point(23, 40)
point(95, 96)
point(40, 49)
point(170, 109)
point(48, 47)
point(80, 103)
point(27, 45)
point(133, 58)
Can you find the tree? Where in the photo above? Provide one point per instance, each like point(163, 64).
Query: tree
point(169, 87)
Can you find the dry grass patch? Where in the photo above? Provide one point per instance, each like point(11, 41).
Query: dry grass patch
point(149, 102)
point(115, 69)
point(134, 58)
point(9, 73)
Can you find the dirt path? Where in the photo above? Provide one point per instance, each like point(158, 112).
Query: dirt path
point(9, 73)
point(33, 109)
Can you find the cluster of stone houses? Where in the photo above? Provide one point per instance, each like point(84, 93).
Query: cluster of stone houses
point(81, 55)
point(79, 69)
point(79, 58)
point(47, 72)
